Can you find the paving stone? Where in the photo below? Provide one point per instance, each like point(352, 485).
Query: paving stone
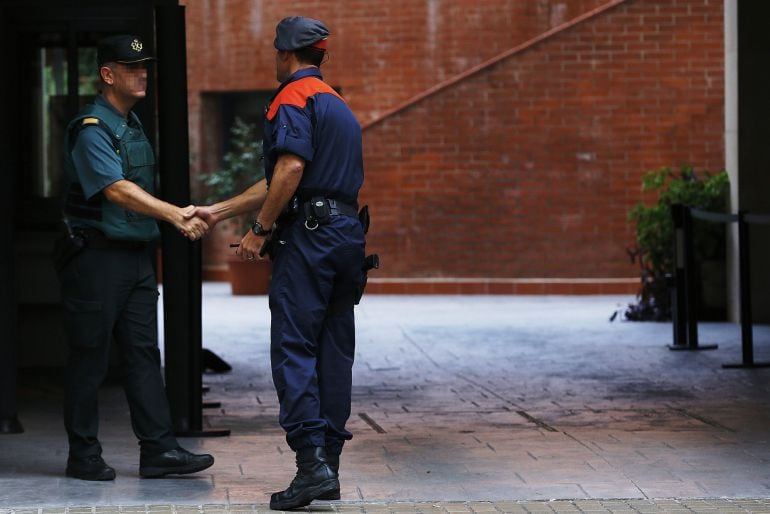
point(481, 507)
point(536, 507)
point(510, 507)
point(456, 506)
point(349, 508)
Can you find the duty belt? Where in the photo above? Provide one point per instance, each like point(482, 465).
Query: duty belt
point(319, 211)
point(337, 208)
point(96, 239)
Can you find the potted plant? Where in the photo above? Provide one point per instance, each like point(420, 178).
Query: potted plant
point(654, 249)
point(242, 168)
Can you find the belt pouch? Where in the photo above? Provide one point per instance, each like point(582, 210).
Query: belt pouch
point(317, 212)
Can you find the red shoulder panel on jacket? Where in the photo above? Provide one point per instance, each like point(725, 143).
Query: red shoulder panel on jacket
point(297, 93)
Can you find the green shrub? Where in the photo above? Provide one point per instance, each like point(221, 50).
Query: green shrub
point(654, 249)
point(243, 167)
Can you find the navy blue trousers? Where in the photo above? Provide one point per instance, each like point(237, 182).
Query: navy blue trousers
point(312, 349)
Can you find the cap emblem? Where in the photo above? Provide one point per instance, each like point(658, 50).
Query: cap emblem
point(136, 45)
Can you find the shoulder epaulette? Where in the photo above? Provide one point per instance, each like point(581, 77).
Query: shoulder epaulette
point(297, 93)
point(92, 121)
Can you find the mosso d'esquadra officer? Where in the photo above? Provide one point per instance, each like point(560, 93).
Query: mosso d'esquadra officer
point(104, 262)
point(310, 225)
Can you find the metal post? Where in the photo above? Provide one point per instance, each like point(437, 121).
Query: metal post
point(747, 331)
point(181, 259)
point(687, 286)
point(690, 281)
point(744, 259)
point(9, 422)
point(679, 296)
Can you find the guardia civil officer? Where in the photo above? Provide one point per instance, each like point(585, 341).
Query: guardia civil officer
point(314, 170)
point(105, 267)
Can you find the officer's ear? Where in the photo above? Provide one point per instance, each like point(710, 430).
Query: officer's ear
point(283, 55)
point(106, 74)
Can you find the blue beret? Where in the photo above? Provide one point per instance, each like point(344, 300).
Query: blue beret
point(297, 32)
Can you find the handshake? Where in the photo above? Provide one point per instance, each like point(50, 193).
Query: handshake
point(193, 221)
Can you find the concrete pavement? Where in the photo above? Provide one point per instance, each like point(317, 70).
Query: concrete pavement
point(461, 404)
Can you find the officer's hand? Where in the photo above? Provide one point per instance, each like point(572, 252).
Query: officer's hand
point(206, 213)
point(193, 229)
point(250, 246)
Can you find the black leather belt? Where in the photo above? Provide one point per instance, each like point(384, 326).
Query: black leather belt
point(96, 239)
point(337, 208)
point(319, 211)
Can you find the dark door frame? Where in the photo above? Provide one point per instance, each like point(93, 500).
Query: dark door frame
point(161, 22)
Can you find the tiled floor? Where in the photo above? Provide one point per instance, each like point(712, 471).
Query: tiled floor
point(514, 507)
point(461, 404)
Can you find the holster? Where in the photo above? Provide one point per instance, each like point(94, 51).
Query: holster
point(273, 241)
point(371, 261)
point(65, 247)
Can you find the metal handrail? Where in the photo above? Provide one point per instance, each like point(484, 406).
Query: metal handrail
point(716, 217)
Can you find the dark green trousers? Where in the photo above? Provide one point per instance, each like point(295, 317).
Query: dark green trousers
point(106, 293)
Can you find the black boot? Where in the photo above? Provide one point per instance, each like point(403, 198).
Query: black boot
point(92, 467)
point(334, 462)
point(314, 479)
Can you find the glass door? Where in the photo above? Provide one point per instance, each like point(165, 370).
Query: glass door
point(52, 104)
point(58, 77)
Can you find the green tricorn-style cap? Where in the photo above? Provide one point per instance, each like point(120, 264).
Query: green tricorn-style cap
point(123, 49)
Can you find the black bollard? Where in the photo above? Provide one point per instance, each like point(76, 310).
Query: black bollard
point(685, 310)
point(747, 331)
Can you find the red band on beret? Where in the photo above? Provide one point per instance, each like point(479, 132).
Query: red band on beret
point(321, 45)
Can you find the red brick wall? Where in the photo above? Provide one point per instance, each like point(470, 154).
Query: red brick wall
point(525, 170)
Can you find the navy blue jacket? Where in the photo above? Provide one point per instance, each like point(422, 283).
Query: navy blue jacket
point(309, 119)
